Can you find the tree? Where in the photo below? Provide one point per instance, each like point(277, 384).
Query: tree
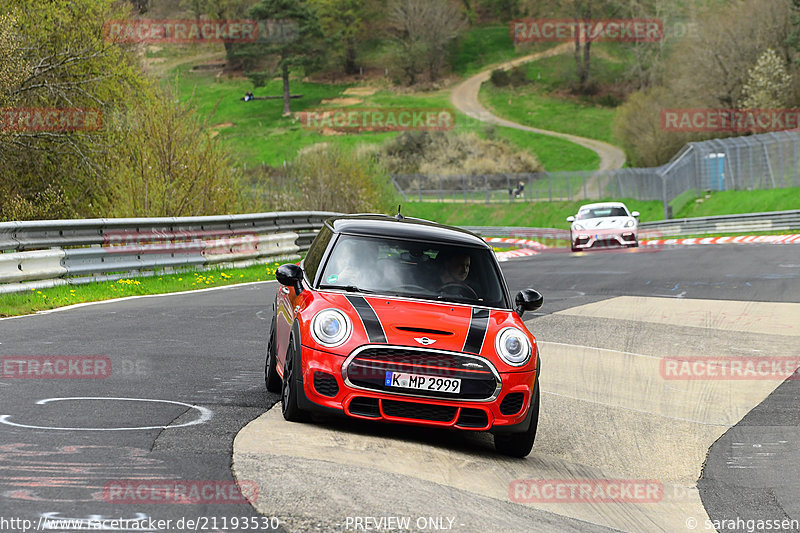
point(710, 66)
point(55, 55)
point(166, 163)
point(583, 11)
point(423, 31)
point(344, 23)
point(219, 10)
point(768, 83)
point(301, 47)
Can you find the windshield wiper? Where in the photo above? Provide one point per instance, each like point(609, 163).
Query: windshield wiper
point(347, 288)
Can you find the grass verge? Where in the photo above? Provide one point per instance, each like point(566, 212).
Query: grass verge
point(738, 202)
point(525, 214)
point(24, 303)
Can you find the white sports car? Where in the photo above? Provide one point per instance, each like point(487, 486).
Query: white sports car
point(602, 225)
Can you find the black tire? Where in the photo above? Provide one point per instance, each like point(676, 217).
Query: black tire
point(289, 391)
point(271, 378)
point(520, 444)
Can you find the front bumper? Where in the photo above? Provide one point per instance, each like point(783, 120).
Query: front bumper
point(326, 390)
point(622, 237)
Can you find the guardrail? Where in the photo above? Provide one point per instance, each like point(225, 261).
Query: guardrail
point(752, 222)
point(46, 253)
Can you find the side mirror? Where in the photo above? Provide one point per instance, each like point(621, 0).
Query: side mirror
point(527, 300)
point(570, 219)
point(290, 275)
point(635, 214)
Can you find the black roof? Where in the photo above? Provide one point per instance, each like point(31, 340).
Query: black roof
point(405, 228)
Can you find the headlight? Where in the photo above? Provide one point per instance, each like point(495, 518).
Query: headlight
point(330, 328)
point(513, 346)
point(578, 226)
point(630, 223)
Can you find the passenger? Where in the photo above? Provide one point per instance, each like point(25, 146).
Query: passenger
point(355, 263)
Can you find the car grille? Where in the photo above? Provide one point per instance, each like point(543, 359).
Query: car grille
point(419, 411)
point(325, 384)
point(512, 403)
point(368, 369)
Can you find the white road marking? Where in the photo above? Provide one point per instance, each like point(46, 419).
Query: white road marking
point(205, 415)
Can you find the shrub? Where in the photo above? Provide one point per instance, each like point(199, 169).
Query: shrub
point(165, 163)
point(447, 153)
point(518, 76)
point(500, 78)
point(332, 179)
point(323, 178)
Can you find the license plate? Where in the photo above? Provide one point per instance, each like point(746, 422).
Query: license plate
point(416, 381)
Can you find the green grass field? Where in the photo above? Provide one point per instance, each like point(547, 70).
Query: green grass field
point(736, 202)
point(553, 214)
point(488, 45)
point(534, 104)
point(256, 132)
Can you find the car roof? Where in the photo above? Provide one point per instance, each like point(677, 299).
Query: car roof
point(403, 228)
point(603, 204)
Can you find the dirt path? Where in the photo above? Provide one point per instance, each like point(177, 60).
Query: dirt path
point(465, 99)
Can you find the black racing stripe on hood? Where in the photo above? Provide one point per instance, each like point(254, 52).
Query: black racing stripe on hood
point(477, 331)
point(370, 320)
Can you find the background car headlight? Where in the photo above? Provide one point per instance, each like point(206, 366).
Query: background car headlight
point(330, 327)
point(630, 223)
point(578, 227)
point(513, 346)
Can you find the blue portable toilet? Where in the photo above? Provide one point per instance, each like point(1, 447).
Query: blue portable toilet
point(716, 171)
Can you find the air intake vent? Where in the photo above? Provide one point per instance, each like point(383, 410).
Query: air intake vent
point(365, 407)
point(472, 418)
point(325, 384)
point(424, 330)
point(512, 403)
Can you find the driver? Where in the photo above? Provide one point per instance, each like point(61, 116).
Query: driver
point(454, 268)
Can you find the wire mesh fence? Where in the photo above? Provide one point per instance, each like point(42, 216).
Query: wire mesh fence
point(765, 161)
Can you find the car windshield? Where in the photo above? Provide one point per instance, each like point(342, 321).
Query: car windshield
point(599, 212)
point(430, 271)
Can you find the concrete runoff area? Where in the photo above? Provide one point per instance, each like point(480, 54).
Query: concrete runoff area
point(607, 414)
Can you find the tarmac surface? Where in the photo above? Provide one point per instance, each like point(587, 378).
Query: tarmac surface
point(185, 401)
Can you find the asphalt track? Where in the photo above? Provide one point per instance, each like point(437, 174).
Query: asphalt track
point(607, 413)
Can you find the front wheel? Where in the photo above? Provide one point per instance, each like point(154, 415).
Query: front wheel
point(289, 392)
point(271, 378)
point(520, 444)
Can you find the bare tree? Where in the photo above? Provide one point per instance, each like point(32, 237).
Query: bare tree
point(423, 31)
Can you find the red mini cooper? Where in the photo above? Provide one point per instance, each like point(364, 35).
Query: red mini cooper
point(407, 321)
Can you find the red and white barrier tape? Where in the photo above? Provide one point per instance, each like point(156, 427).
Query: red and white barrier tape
point(525, 242)
point(742, 239)
point(535, 248)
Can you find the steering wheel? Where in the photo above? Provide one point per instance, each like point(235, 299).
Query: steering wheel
point(462, 289)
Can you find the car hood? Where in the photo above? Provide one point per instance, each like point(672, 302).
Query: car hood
point(603, 223)
point(418, 323)
point(440, 326)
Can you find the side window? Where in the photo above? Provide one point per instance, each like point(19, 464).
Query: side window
point(315, 253)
